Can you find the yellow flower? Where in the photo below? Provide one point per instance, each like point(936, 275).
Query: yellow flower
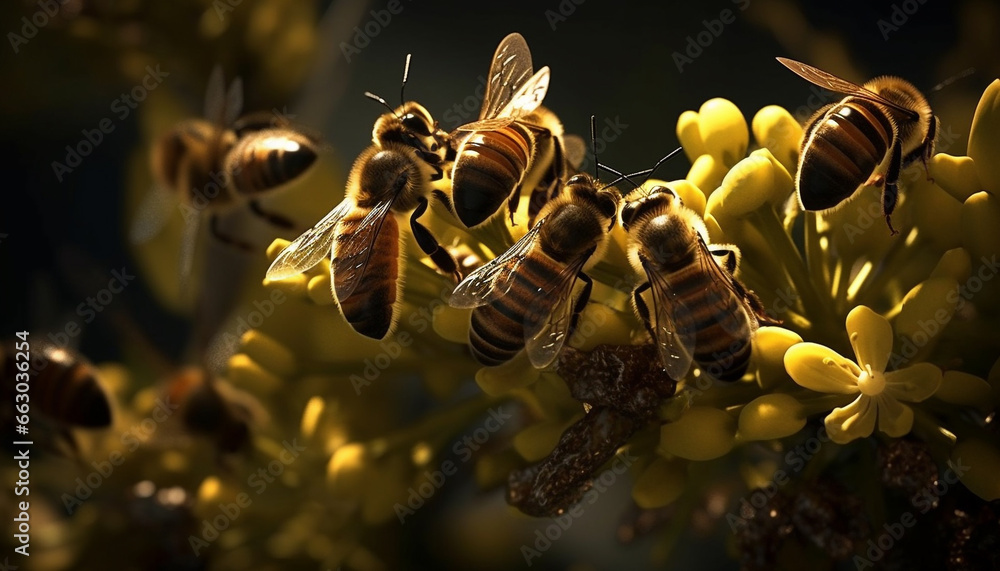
point(879, 393)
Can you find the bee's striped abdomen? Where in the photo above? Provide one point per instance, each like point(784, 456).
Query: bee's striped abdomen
point(488, 168)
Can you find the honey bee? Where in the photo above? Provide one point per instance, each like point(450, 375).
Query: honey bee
point(218, 162)
point(844, 143)
point(701, 312)
point(523, 299)
point(515, 144)
point(62, 385)
point(211, 409)
point(390, 179)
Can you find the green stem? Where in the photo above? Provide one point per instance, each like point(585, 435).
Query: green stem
point(927, 428)
point(447, 421)
point(895, 259)
point(814, 252)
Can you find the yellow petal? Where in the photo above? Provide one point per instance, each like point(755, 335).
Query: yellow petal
point(984, 138)
point(723, 130)
point(856, 420)
point(871, 337)
point(689, 134)
point(702, 433)
point(776, 130)
point(821, 369)
point(957, 175)
point(915, 383)
point(745, 188)
point(771, 416)
point(981, 226)
point(954, 263)
point(268, 352)
point(894, 417)
point(927, 309)
point(963, 389)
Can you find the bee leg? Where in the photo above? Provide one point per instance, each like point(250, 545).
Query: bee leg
point(730, 257)
point(926, 149)
point(512, 203)
point(581, 302)
point(641, 307)
point(272, 217)
point(890, 192)
point(755, 305)
point(430, 246)
point(225, 238)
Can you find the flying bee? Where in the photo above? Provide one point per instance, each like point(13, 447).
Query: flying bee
point(886, 119)
point(523, 299)
point(515, 144)
point(389, 180)
point(211, 409)
point(701, 312)
point(62, 385)
point(219, 162)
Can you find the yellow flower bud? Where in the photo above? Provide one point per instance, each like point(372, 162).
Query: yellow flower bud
point(453, 324)
point(776, 130)
point(244, 372)
point(599, 324)
point(319, 291)
point(927, 309)
point(706, 173)
point(297, 285)
point(311, 414)
point(936, 213)
point(515, 373)
point(387, 484)
point(493, 469)
point(769, 346)
point(771, 416)
point(268, 353)
point(660, 483)
point(348, 470)
point(954, 264)
point(702, 433)
point(723, 130)
point(964, 389)
point(275, 248)
point(981, 225)
point(984, 138)
point(956, 175)
point(748, 186)
point(689, 134)
point(978, 463)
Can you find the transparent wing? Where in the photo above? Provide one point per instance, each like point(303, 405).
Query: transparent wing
point(354, 252)
point(154, 211)
point(494, 124)
point(721, 292)
point(494, 279)
point(834, 83)
point(311, 247)
point(510, 68)
point(234, 101)
point(189, 241)
point(529, 96)
point(215, 96)
point(675, 345)
point(547, 322)
point(575, 150)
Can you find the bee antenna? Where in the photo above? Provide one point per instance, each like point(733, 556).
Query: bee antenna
point(593, 142)
point(621, 177)
point(406, 75)
point(665, 158)
point(374, 97)
point(953, 79)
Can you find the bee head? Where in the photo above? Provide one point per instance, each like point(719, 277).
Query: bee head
point(411, 124)
point(658, 198)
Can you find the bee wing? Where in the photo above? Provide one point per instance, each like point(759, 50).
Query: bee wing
point(350, 264)
point(495, 278)
point(529, 96)
point(833, 83)
point(575, 150)
point(311, 247)
point(546, 325)
point(222, 107)
point(234, 101)
point(189, 241)
point(153, 213)
point(722, 289)
point(675, 345)
point(510, 68)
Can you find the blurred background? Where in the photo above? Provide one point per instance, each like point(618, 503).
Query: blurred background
point(63, 231)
